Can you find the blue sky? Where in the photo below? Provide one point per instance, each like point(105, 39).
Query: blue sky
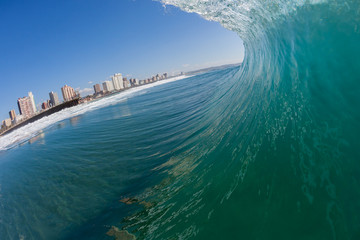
point(46, 44)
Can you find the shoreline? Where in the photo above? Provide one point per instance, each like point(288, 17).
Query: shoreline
point(79, 101)
point(40, 115)
point(31, 129)
point(101, 95)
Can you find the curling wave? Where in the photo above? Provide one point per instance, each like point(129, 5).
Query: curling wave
point(277, 155)
point(267, 150)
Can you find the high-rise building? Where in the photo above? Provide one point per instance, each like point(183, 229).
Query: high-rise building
point(19, 118)
point(97, 88)
point(6, 123)
point(126, 82)
point(12, 115)
point(26, 107)
point(68, 93)
point(117, 81)
point(54, 98)
point(134, 82)
point(45, 105)
point(32, 101)
point(108, 86)
point(105, 87)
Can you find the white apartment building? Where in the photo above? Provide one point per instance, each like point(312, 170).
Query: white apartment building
point(68, 93)
point(31, 96)
point(117, 81)
point(108, 86)
point(25, 107)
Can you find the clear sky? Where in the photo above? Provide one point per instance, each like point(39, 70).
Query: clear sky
point(47, 44)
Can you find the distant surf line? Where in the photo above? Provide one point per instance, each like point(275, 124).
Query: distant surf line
point(31, 130)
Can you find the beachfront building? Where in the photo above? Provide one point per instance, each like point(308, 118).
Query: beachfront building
point(12, 115)
point(97, 88)
point(54, 99)
point(31, 96)
point(117, 81)
point(134, 82)
point(46, 105)
point(68, 93)
point(126, 82)
point(19, 118)
point(6, 123)
point(26, 107)
point(108, 86)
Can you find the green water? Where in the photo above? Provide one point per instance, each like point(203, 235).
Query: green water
point(267, 150)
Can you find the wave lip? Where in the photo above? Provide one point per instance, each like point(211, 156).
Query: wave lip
point(247, 18)
point(30, 130)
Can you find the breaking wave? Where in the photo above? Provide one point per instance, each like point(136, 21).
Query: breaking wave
point(267, 150)
point(280, 156)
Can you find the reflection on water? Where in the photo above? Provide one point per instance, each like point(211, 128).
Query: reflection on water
point(125, 111)
point(122, 110)
point(75, 120)
point(60, 125)
point(39, 137)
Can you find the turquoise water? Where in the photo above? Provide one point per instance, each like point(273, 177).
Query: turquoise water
point(267, 150)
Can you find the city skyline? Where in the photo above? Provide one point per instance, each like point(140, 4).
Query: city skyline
point(29, 113)
point(27, 107)
point(88, 46)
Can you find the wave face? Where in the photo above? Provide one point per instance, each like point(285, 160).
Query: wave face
point(280, 158)
point(268, 150)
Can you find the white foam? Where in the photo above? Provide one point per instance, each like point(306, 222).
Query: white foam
point(30, 130)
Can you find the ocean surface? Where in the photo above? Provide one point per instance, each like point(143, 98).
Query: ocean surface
point(267, 150)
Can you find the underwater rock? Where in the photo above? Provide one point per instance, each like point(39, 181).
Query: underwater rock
point(120, 234)
point(129, 200)
point(146, 204)
point(132, 200)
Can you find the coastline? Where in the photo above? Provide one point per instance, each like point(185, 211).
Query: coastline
point(78, 101)
point(40, 115)
point(31, 129)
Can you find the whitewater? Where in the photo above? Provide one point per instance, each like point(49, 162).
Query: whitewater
point(23, 134)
